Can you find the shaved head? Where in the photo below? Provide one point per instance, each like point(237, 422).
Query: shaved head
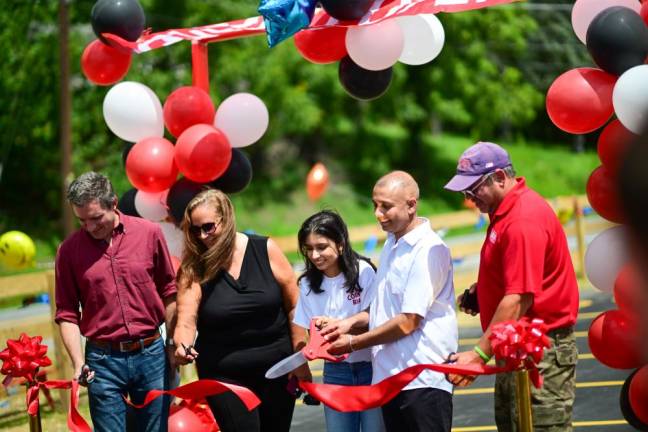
point(400, 182)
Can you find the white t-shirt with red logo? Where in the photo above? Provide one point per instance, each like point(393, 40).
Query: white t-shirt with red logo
point(336, 302)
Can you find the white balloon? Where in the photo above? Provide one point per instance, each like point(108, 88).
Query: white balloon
point(584, 11)
point(174, 238)
point(132, 111)
point(605, 256)
point(151, 205)
point(423, 38)
point(630, 98)
point(376, 46)
point(243, 117)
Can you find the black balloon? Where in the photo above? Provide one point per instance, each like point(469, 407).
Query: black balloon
point(124, 18)
point(361, 83)
point(125, 150)
point(617, 39)
point(346, 9)
point(180, 194)
point(126, 203)
point(626, 408)
point(237, 176)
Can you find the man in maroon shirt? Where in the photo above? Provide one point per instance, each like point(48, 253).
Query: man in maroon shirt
point(525, 271)
point(115, 285)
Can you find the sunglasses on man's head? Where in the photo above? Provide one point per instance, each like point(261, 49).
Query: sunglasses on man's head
point(206, 228)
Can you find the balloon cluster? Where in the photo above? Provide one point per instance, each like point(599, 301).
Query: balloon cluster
point(206, 151)
point(367, 53)
point(17, 250)
point(23, 357)
point(581, 101)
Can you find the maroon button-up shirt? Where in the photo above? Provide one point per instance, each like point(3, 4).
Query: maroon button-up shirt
point(119, 287)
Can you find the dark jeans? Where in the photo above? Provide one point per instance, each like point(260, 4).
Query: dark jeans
point(132, 374)
point(419, 410)
point(273, 415)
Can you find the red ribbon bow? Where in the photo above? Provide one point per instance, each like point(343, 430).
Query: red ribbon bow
point(520, 345)
point(23, 357)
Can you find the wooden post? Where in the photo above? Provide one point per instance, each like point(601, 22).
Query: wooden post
point(63, 364)
point(580, 236)
point(523, 400)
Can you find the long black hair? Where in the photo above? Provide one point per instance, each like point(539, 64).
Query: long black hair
point(329, 224)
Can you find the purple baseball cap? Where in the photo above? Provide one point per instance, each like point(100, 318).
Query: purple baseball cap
point(477, 160)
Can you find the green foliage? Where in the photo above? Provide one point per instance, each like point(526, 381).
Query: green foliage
point(479, 86)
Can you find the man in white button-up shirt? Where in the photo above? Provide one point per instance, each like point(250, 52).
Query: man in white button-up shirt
point(412, 318)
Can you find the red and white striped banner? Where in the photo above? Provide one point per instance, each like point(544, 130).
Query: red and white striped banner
point(380, 10)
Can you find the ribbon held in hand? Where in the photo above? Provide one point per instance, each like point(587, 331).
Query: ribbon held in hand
point(517, 345)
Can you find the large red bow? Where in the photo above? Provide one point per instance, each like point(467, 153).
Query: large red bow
point(23, 357)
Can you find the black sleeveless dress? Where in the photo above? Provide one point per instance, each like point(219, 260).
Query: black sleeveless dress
point(243, 330)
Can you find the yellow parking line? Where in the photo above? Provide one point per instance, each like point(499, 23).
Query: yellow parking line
point(586, 384)
point(575, 424)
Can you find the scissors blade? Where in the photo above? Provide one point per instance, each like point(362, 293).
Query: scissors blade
point(286, 365)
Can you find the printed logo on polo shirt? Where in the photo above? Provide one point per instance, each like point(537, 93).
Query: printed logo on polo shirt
point(354, 297)
point(493, 236)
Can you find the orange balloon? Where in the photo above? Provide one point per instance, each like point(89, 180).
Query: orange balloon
point(317, 181)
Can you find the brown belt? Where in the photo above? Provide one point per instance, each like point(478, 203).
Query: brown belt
point(126, 346)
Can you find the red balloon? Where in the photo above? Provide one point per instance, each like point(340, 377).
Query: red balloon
point(613, 143)
point(185, 107)
point(613, 340)
point(322, 46)
point(638, 394)
point(580, 100)
point(203, 153)
point(183, 419)
point(317, 181)
point(602, 195)
point(103, 64)
point(628, 293)
point(150, 165)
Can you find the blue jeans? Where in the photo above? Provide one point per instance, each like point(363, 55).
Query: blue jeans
point(351, 374)
point(132, 374)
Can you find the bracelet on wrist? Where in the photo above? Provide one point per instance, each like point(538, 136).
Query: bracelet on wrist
point(481, 354)
point(351, 343)
point(170, 342)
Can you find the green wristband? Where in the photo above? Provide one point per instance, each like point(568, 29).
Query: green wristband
point(482, 354)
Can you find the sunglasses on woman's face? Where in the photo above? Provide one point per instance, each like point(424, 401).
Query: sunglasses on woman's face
point(206, 228)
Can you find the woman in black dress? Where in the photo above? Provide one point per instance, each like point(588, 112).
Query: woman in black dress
point(239, 292)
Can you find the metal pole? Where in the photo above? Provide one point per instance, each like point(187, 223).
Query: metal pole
point(200, 66)
point(65, 108)
point(523, 400)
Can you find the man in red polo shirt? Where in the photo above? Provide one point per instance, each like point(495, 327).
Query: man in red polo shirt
point(115, 285)
point(525, 271)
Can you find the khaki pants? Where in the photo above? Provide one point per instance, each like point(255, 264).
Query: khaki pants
point(552, 405)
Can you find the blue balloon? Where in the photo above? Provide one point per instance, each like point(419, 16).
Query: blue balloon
point(284, 18)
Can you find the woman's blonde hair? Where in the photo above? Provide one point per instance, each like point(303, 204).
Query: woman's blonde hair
point(199, 263)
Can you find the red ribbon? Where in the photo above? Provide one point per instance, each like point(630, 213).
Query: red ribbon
point(198, 390)
point(516, 345)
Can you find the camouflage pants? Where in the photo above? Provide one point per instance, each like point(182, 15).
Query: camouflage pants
point(552, 405)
